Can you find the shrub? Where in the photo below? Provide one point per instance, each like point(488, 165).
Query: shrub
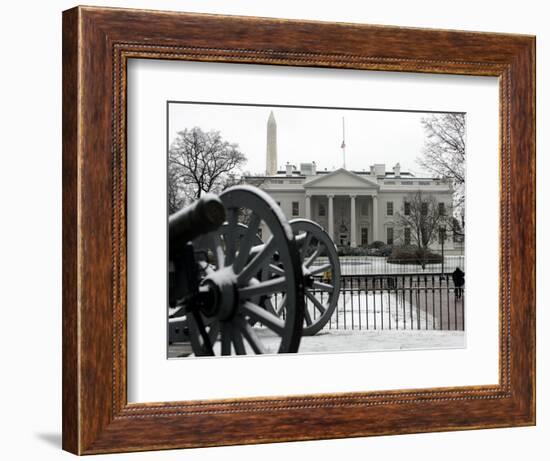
point(385, 250)
point(410, 254)
point(379, 250)
point(350, 251)
point(377, 244)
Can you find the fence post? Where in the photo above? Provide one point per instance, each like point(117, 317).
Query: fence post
point(442, 238)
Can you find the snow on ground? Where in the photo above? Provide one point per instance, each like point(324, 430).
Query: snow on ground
point(353, 341)
point(380, 340)
point(376, 265)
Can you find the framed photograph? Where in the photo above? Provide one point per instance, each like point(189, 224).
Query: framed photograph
point(282, 230)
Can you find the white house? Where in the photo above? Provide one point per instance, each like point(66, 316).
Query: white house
point(355, 207)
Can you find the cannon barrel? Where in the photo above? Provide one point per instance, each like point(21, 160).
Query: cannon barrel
point(203, 216)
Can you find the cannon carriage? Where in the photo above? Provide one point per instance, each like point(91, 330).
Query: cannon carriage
point(230, 292)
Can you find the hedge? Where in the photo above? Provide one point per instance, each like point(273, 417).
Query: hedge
point(410, 254)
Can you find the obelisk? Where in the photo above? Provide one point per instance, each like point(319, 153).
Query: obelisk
point(271, 151)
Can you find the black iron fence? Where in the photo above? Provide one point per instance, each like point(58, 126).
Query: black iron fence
point(416, 301)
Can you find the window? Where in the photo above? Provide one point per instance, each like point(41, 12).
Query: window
point(441, 209)
point(322, 210)
point(442, 235)
point(424, 209)
point(364, 236)
point(407, 207)
point(295, 208)
point(389, 208)
point(389, 235)
point(407, 236)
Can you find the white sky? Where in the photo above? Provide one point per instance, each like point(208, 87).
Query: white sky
point(307, 134)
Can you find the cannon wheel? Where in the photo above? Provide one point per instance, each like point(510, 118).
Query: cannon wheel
point(241, 260)
point(214, 244)
point(322, 282)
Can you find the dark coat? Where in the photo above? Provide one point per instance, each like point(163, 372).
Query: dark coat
point(458, 277)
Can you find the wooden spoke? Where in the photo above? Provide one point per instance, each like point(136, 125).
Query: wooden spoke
point(251, 337)
point(207, 268)
point(323, 286)
point(320, 269)
point(300, 237)
point(259, 261)
point(276, 269)
point(226, 338)
point(267, 319)
point(281, 306)
point(307, 317)
point(246, 243)
point(266, 287)
point(218, 250)
point(238, 341)
point(309, 261)
point(305, 245)
point(315, 302)
point(203, 342)
point(178, 311)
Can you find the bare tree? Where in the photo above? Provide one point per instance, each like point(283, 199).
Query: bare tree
point(176, 187)
point(423, 215)
point(255, 179)
point(444, 152)
point(200, 162)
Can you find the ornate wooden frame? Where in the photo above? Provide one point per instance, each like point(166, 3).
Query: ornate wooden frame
point(97, 43)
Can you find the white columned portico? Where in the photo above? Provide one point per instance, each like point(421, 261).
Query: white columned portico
point(353, 242)
point(374, 218)
point(308, 206)
point(330, 216)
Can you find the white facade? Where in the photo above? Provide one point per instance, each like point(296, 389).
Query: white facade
point(356, 208)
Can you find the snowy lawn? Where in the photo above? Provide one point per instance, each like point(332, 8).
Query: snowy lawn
point(376, 265)
point(381, 340)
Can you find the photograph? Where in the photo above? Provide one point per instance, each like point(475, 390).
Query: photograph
point(300, 229)
point(294, 227)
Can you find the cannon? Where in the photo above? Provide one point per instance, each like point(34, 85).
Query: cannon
point(230, 292)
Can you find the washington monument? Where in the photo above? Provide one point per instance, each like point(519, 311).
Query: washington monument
point(271, 151)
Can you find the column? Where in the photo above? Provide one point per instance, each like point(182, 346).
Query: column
point(330, 216)
point(353, 223)
point(308, 207)
point(375, 218)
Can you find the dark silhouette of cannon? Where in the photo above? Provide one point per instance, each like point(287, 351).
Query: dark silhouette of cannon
point(232, 292)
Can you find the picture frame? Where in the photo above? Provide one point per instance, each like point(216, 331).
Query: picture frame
point(97, 44)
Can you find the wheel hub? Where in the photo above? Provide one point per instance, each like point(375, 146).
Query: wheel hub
point(223, 299)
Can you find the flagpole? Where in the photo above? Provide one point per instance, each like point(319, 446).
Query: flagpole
point(344, 141)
